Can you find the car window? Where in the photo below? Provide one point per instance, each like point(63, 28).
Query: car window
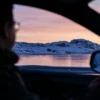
point(95, 5)
point(46, 38)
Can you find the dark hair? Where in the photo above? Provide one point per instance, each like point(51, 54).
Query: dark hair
point(5, 16)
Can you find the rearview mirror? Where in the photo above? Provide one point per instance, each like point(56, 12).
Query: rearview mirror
point(95, 61)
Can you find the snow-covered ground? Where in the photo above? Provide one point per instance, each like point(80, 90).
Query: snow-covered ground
point(79, 46)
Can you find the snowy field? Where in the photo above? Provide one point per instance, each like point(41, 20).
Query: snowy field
point(76, 46)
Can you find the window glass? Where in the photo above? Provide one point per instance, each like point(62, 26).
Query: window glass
point(95, 5)
point(46, 38)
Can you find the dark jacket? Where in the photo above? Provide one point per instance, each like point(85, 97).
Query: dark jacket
point(12, 86)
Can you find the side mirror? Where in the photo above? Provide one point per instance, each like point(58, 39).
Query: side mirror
point(95, 61)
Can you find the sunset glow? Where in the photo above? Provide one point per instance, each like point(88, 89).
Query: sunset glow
point(43, 26)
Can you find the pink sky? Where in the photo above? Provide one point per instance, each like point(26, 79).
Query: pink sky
point(39, 25)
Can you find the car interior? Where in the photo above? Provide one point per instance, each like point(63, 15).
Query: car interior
point(62, 83)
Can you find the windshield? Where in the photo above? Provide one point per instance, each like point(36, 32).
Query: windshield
point(95, 5)
point(49, 39)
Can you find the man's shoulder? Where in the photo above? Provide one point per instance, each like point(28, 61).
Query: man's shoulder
point(6, 74)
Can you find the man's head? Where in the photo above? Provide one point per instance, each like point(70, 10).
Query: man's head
point(7, 26)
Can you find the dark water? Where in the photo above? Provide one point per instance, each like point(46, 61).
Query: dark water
point(81, 60)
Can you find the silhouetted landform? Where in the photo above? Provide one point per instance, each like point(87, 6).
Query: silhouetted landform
point(76, 46)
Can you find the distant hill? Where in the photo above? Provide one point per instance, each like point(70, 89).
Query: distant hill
point(79, 46)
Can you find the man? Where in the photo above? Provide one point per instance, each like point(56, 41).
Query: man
point(12, 86)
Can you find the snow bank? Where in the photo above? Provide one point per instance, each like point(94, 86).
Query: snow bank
point(80, 46)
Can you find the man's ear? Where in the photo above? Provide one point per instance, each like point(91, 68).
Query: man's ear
point(6, 30)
